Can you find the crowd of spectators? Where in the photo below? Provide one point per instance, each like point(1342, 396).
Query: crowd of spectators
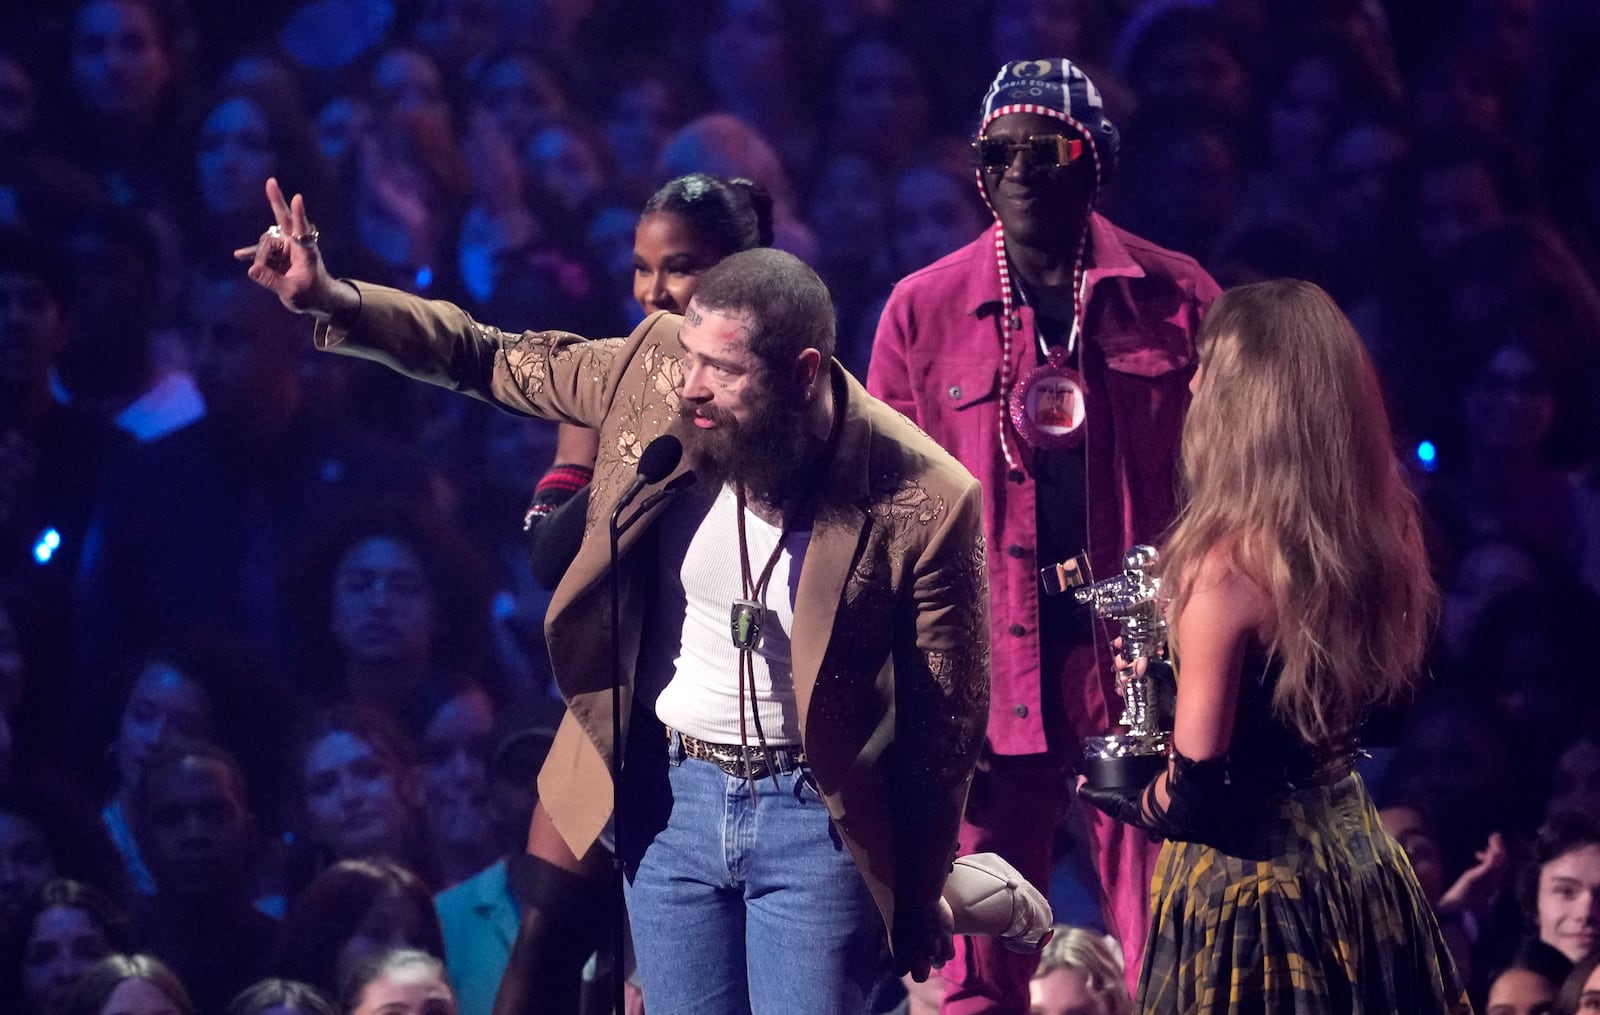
point(271, 659)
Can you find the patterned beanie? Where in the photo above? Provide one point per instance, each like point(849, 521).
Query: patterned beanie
point(1055, 88)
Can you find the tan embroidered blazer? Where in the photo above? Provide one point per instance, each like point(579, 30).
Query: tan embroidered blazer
point(890, 640)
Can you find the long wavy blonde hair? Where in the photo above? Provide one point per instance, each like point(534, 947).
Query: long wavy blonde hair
point(1290, 471)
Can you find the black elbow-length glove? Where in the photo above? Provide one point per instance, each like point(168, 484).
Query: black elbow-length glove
point(1195, 792)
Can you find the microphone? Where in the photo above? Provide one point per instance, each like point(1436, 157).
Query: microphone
point(660, 458)
point(672, 489)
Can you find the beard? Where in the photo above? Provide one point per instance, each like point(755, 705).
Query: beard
point(769, 452)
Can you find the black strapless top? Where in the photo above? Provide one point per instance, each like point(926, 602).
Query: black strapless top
point(1267, 764)
point(1269, 757)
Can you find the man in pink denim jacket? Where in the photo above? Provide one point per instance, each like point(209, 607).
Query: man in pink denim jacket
point(1051, 356)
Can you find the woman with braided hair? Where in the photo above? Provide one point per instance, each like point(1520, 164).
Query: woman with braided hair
point(687, 226)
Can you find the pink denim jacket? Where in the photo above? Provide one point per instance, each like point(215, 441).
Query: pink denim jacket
point(936, 358)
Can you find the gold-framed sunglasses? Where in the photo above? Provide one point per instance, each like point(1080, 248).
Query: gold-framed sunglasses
point(1045, 151)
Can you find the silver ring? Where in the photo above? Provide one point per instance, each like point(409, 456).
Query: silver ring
point(308, 238)
point(275, 232)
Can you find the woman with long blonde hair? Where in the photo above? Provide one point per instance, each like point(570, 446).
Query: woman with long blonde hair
point(1299, 600)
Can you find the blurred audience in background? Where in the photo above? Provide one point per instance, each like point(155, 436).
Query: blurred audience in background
point(209, 533)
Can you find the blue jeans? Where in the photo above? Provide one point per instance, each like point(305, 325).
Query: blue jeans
point(742, 908)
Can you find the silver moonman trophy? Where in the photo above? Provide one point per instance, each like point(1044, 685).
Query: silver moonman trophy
point(1126, 761)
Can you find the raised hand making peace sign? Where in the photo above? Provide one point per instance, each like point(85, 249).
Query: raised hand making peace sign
point(287, 261)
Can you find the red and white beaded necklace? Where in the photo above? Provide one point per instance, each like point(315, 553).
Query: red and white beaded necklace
point(1053, 380)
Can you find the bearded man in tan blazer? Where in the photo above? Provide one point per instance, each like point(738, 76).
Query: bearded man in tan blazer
point(803, 641)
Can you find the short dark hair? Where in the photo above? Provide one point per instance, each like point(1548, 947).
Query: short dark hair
point(1563, 832)
point(790, 304)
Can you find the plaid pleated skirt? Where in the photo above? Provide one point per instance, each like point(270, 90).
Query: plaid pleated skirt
point(1319, 913)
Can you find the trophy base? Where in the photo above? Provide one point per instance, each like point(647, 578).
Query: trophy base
point(1124, 761)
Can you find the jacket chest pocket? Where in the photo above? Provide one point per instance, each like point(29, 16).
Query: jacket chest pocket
point(959, 403)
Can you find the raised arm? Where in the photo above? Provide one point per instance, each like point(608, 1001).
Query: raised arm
point(549, 374)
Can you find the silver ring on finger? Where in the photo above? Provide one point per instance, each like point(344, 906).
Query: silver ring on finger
point(308, 237)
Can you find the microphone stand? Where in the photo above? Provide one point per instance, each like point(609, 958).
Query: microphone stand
point(615, 530)
point(619, 924)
